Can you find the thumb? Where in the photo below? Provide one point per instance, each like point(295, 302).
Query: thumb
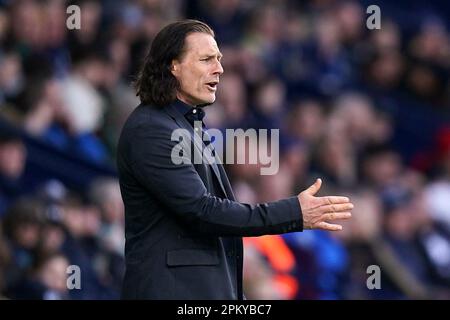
point(313, 189)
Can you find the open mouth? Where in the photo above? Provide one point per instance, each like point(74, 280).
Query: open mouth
point(212, 85)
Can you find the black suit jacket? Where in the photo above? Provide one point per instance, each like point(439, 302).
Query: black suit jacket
point(182, 223)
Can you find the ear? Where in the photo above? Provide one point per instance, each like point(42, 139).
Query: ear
point(175, 67)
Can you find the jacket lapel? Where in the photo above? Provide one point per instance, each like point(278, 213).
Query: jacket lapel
point(199, 145)
point(229, 190)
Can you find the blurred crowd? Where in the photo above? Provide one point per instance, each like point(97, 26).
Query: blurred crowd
point(368, 111)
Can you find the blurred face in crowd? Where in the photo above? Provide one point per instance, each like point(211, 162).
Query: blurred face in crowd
point(92, 221)
point(27, 235)
point(198, 69)
point(12, 159)
point(307, 121)
point(53, 273)
point(74, 220)
point(113, 208)
point(53, 239)
point(400, 223)
point(383, 169)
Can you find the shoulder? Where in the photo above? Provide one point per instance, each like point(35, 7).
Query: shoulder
point(148, 117)
point(148, 123)
point(145, 125)
point(147, 133)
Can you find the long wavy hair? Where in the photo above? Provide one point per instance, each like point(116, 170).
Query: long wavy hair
point(155, 83)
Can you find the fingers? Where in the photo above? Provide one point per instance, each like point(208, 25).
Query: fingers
point(341, 207)
point(334, 212)
point(337, 216)
point(329, 226)
point(312, 190)
point(334, 200)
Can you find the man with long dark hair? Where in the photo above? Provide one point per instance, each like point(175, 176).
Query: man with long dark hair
point(183, 225)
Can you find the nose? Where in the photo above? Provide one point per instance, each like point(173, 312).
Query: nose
point(218, 70)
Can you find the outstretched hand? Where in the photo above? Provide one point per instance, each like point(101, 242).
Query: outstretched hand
point(319, 212)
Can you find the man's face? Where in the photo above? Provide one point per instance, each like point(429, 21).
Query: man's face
point(198, 69)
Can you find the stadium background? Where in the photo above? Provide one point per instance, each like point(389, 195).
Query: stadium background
point(366, 110)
